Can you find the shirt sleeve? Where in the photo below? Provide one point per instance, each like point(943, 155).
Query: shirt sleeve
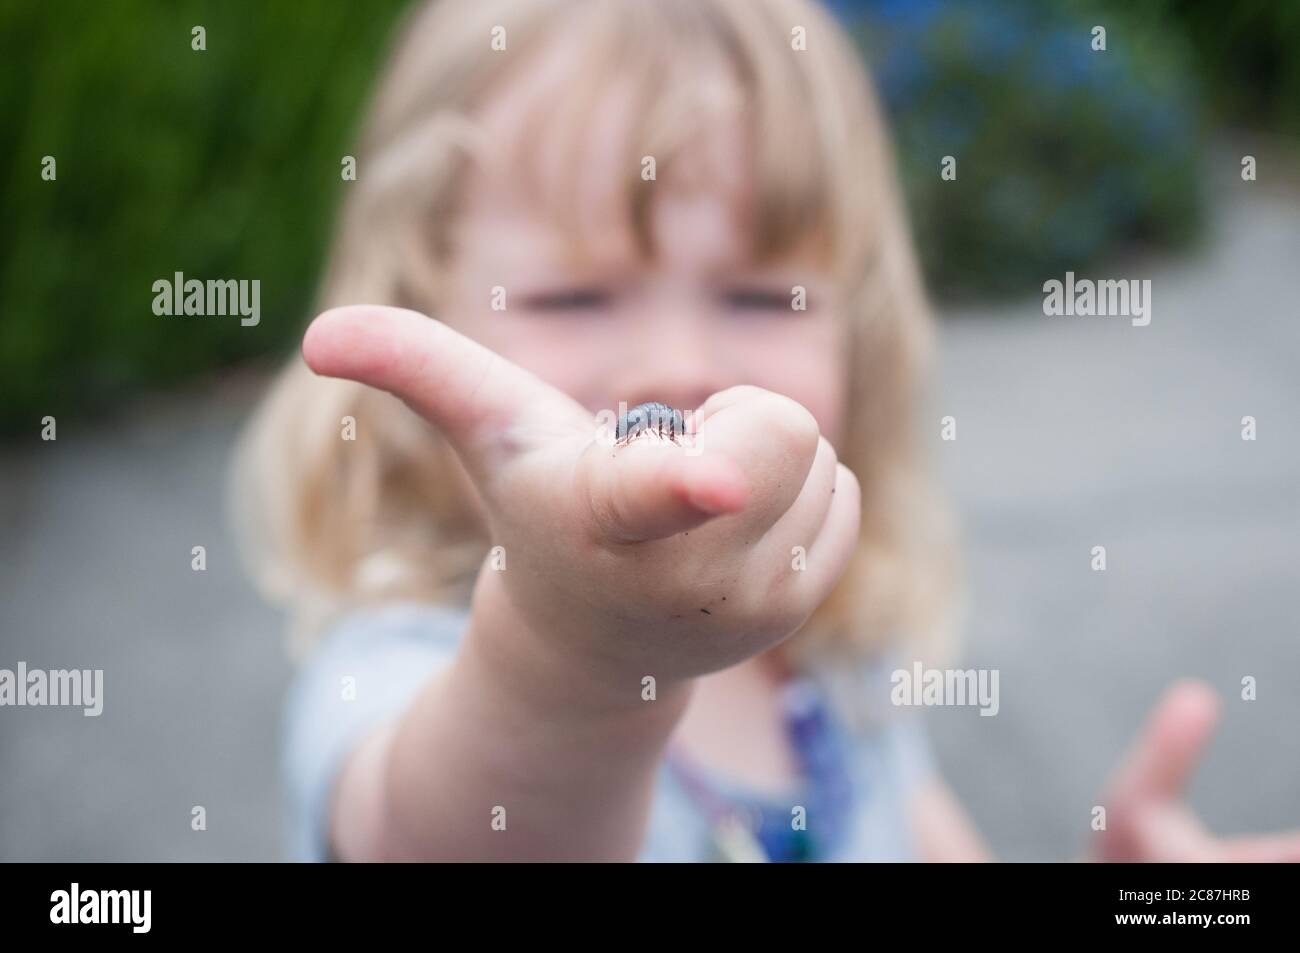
point(366, 670)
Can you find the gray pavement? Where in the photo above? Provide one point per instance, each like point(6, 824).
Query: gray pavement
point(1072, 432)
point(1083, 431)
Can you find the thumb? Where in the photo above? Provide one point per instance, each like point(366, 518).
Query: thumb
point(647, 490)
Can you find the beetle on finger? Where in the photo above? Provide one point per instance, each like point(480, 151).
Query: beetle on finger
point(652, 417)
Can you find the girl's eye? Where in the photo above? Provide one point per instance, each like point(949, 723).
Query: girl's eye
point(758, 299)
point(574, 299)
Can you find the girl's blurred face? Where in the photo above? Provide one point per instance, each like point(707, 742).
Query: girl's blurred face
point(610, 325)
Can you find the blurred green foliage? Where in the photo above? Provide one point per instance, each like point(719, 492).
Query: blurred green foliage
point(1065, 155)
point(225, 163)
point(219, 164)
point(1245, 54)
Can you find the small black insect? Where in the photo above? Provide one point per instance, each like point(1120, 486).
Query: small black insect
point(652, 417)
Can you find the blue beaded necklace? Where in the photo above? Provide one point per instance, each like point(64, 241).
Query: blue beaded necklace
point(763, 828)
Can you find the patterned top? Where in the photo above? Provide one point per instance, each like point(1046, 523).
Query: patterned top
point(859, 758)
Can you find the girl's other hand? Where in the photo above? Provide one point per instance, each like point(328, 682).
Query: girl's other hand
point(1146, 819)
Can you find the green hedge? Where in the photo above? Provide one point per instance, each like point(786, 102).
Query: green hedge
point(218, 164)
point(1246, 54)
point(1065, 156)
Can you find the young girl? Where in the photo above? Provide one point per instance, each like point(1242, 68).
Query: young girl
point(534, 642)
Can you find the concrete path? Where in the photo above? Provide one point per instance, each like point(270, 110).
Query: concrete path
point(1082, 431)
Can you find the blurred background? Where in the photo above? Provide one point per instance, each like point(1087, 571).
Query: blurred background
point(1072, 432)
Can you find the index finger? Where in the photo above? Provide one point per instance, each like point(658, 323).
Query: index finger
point(477, 398)
point(1172, 741)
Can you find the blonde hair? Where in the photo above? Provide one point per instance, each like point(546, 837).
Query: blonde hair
point(330, 523)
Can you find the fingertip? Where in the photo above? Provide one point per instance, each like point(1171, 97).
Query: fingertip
point(716, 499)
point(360, 342)
point(1195, 699)
point(321, 339)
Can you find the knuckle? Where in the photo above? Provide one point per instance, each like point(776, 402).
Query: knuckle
point(728, 396)
point(741, 392)
point(848, 479)
point(795, 424)
point(827, 452)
